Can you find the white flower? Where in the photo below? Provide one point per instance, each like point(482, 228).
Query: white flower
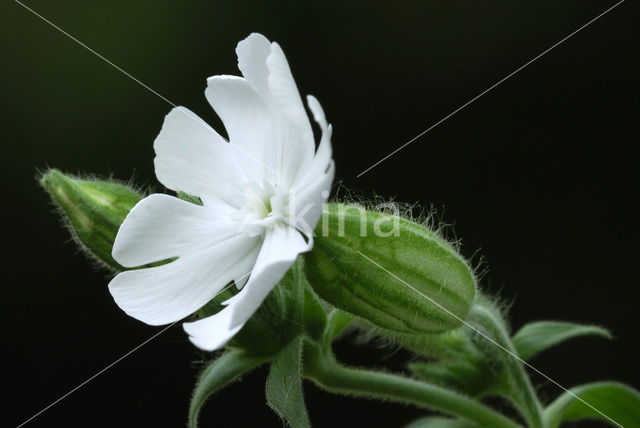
point(262, 195)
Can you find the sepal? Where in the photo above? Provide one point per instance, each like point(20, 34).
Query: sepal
point(398, 275)
point(93, 211)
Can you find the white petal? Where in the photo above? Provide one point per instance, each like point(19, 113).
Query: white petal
point(252, 55)
point(248, 121)
point(313, 184)
point(160, 227)
point(168, 293)
point(309, 202)
point(284, 90)
point(192, 157)
point(278, 252)
point(280, 249)
point(322, 158)
point(213, 332)
point(298, 144)
point(317, 111)
point(265, 67)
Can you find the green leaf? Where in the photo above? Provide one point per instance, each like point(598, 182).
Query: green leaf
point(616, 403)
point(284, 385)
point(219, 373)
point(438, 422)
point(538, 336)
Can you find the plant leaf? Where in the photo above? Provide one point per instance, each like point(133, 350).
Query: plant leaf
point(538, 336)
point(614, 402)
point(284, 385)
point(439, 422)
point(219, 373)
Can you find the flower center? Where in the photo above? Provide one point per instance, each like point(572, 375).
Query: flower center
point(265, 207)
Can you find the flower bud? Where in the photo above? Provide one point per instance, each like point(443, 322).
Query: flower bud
point(395, 273)
point(93, 211)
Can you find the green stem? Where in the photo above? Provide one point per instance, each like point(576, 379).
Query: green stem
point(321, 367)
point(521, 392)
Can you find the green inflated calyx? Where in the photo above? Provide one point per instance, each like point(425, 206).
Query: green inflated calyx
point(394, 273)
point(93, 211)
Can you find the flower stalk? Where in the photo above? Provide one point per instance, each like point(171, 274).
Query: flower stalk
point(520, 390)
point(321, 367)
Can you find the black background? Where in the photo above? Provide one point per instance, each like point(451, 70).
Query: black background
point(537, 175)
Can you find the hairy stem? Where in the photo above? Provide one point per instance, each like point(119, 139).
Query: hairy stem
point(521, 392)
point(321, 367)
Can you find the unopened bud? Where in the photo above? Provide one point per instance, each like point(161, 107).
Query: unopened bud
point(395, 273)
point(93, 211)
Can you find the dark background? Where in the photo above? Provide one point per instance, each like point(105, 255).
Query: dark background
point(537, 175)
